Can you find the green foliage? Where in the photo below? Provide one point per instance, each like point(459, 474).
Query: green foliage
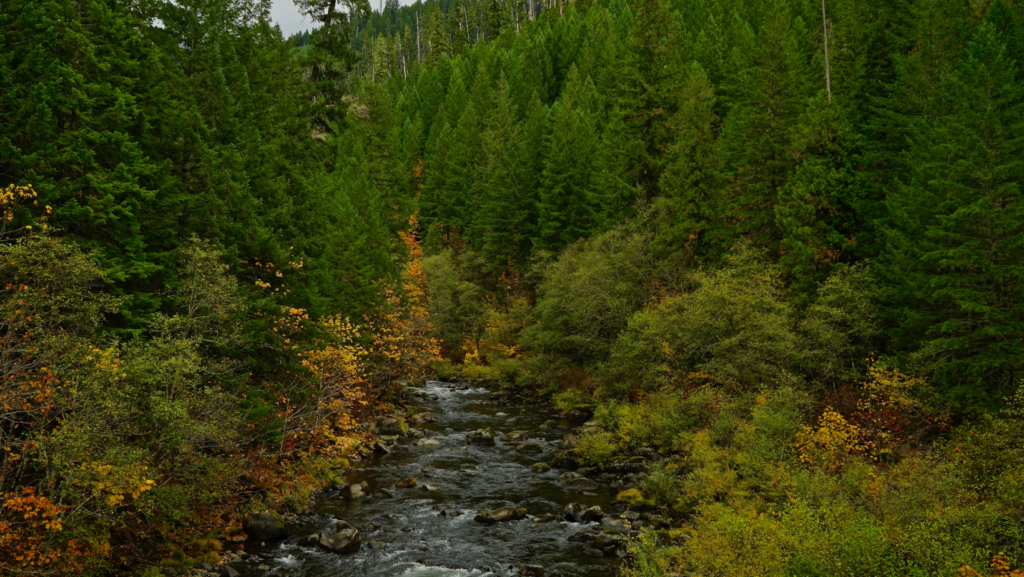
point(596, 447)
point(456, 310)
point(587, 295)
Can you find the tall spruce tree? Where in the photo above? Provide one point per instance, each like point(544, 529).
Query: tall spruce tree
point(955, 260)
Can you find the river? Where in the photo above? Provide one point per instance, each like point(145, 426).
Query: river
point(413, 539)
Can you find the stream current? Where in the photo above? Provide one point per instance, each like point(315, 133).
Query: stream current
point(413, 539)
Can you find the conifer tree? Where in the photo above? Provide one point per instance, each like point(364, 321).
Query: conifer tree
point(693, 180)
point(955, 260)
point(647, 88)
point(768, 98)
point(566, 209)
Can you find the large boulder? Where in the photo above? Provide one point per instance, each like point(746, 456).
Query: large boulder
point(264, 526)
point(482, 437)
point(569, 442)
point(500, 515)
point(343, 541)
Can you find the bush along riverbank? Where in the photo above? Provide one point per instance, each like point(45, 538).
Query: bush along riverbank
point(749, 428)
point(142, 452)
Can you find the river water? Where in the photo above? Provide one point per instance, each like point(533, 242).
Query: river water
point(413, 540)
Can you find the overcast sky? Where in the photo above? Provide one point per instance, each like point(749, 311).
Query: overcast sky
point(287, 15)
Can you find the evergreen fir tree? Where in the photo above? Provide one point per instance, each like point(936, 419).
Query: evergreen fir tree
point(955, 261)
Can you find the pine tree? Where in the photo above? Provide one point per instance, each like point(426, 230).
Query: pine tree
point(647, 88)
point(498, 231)
point(566, 206)
point(768, 98)
point(693, 180)
point(955, 261)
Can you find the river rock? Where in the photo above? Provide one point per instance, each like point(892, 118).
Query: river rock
point(500, 515)
point(519, 436)
point(228, 571)
point(357, 491)
point(549, 425)
point(578, 416)
point(577, 482)
point(574, 512)
point(512, 421)
point(543, 518)
point(500, 415)
point(565, 460)
point(406, 484)
point(264, 526)
point(416, 433)
point(482, 437)
point(611, 539)
point(449, 512)
point(531, 571)
point(658, 522)
point(383, 494)
point(593, 552)
point(592, 514)
point(613, 523)
point(530, 448)
point(344, 541)
point(583, 536)
point(426, 442)
point(569, 442)
point(540, 468)
point(392, 426)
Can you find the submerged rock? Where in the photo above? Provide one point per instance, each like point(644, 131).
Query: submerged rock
point(532, 448)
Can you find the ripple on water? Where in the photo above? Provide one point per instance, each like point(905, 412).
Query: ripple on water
point(414, 539)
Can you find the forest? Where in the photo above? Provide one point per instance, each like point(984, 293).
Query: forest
point(778, 242)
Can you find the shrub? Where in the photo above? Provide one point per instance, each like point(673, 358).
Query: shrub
point(586, 296)
point(596, 448)
point(732, 322)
